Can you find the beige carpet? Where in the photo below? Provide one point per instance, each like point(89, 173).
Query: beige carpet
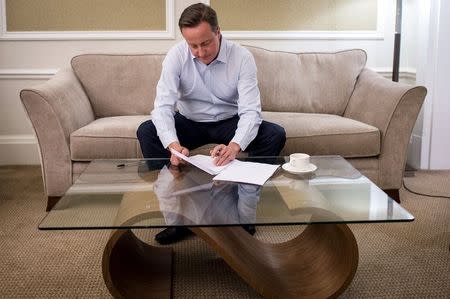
point(429, 182)
point(402, 260)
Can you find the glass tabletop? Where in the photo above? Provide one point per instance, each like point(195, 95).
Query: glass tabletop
point(151, 193)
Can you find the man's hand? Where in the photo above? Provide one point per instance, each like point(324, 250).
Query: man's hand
point(175, 171)
point(174, 160)
point(224, 154)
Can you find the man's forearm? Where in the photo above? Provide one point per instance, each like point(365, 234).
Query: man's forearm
point(247, 129)
point(164, 122)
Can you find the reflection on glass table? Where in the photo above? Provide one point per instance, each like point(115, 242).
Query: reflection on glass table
point(136, 195)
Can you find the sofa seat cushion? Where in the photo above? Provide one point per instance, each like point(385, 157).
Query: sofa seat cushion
point(107, 138)
point(326, 134)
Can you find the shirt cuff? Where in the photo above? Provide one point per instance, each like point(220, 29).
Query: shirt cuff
point(167, 139)
point(242, 144)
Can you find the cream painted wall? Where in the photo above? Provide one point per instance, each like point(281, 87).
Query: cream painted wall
point(21, 60)
point(315, 15)
point(57, 15)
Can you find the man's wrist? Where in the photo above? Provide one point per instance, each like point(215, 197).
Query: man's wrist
point(235, 147)
point(175, 145)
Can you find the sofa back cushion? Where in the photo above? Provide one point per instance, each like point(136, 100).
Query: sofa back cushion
point(307, 82)
point(119, 84)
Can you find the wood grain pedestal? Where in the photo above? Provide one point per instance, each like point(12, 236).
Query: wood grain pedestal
point(319, 263)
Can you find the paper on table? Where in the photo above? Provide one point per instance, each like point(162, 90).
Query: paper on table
point(235, 171)
point(203, 162)
point(247, 172)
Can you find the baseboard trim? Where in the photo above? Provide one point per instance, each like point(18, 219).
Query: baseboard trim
point(19, 150)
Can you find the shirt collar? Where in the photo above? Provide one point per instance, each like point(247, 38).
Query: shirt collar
point(222, 57)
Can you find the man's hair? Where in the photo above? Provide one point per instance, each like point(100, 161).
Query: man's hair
point(193, 15)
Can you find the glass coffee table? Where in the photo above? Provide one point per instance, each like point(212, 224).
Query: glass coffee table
point(139, 194)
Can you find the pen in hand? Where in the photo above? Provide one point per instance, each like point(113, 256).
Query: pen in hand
point(214, 155)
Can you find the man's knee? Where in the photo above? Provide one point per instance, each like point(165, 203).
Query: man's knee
point(276, 132)
point(146, 130)
point(279, 133)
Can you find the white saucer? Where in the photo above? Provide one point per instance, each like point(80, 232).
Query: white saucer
point(311, 167)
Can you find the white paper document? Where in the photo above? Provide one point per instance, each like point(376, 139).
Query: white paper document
point(203, 162)
point(235, 171)
point(247, 172)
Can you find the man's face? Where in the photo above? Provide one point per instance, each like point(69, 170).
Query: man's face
point(203, 42)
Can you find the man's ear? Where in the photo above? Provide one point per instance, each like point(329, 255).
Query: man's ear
point(218, 31)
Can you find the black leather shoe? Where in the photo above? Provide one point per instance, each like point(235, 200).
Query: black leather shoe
point(172, 235)
point(250, 229)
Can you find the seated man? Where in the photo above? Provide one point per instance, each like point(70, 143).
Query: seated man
point(212, 83)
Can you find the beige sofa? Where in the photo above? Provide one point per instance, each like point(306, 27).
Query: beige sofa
point(328, 103)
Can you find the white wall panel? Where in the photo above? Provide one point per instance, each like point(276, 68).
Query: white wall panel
point(439, 130)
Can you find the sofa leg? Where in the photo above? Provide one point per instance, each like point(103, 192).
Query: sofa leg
point(394, 194)
point(51, 202)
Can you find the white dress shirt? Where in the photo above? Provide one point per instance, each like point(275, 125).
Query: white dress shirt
point(228, 86)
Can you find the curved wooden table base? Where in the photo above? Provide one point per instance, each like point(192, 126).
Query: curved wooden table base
point(319, 263)
point(134, 269)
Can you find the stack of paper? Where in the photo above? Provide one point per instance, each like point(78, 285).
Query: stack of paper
point(235, 171)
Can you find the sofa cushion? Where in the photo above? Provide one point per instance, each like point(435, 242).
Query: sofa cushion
point(325, 134)
point(316, 134)
point(307, 82)
point(119, 84)
point(107, 138)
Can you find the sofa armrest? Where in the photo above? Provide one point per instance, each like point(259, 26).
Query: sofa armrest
point(56, 108)
point(393, 108)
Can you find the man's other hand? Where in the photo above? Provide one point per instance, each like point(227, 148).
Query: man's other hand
point(174, 160)
point(224, 154)
point(175, 171)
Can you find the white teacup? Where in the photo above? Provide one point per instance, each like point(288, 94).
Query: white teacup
point(299, 161)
